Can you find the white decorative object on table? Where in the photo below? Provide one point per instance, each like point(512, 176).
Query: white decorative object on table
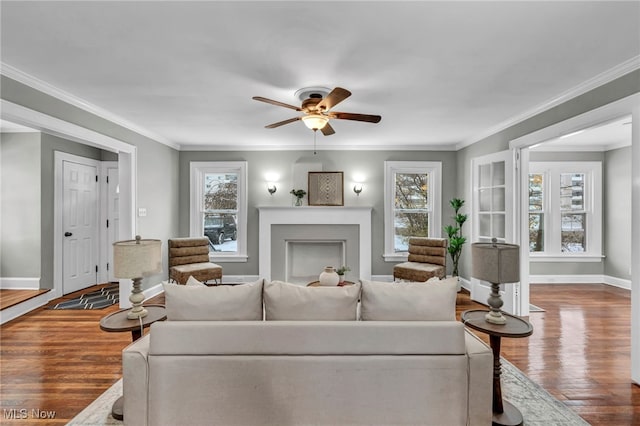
point(329, 277)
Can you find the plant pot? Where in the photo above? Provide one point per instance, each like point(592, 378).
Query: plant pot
point(458, 282)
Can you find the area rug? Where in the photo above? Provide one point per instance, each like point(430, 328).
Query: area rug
point(98, 299)
point(534, 308)
point(538, 407)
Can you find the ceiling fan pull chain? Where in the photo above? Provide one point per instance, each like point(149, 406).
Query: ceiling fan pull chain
point(315, 134)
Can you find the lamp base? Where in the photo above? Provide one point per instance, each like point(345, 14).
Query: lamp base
point(495, 317)
point(136, 298)
point(495, 303)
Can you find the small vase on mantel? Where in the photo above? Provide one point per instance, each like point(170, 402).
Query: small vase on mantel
point(329, 277)
point(298, 201)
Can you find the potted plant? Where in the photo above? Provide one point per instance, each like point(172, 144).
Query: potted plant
point(454, 232)
point(299, 193)
point(341, 271)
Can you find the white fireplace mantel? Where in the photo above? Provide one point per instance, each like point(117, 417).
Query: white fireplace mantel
point(312, 215)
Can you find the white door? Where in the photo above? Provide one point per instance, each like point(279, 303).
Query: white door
point(493, 216)
point(79, 226)
point(113, 222)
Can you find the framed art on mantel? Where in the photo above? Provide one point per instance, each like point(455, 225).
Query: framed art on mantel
point(326, 189)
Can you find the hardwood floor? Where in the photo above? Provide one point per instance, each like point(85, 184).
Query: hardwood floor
point(57, 360)
point(10, 298)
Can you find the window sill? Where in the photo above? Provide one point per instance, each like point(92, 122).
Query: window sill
point(566, 258)
point(228, 259)
point(395, 257)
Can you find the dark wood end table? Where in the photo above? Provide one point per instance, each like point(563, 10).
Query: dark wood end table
point(317, 284)
point(504, 413)
point(118, 322)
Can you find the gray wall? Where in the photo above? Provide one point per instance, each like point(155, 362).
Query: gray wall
point(615, 90)
point(20, 198)
point(368, 163)
point(157, 167)
point(617, 207)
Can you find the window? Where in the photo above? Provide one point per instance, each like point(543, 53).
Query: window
point(412, 204)
point(219, 208)
point(565, 210)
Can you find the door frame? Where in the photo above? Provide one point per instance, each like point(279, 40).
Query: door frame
point(511, 294)
point(629, 105)
point(105, 247)
point(58, 210)
point(127, 170)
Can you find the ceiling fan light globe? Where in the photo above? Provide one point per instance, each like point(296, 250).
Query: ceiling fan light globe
point(315, 121)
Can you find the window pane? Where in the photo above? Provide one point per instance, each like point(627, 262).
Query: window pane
point(220, 207)
point(572, 191)
point(498, 173)
point(535, 192)
point(536, 232)
point(412, 191)
point(485, 200)
point(221, 229)
point(220, 191)
point(485, 176)
point(498, 200)
point(409, 224)
point(485, 225)
point(573, 232)
point(498, 223)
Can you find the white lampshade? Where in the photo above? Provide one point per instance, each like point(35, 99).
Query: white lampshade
point(137, 258)
point(496, 262)
point(315, 121)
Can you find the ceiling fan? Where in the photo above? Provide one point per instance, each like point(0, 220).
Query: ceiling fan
point(316, 106)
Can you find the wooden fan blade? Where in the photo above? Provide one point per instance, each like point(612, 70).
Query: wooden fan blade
point(272, 102)
point(357, 117)
point(336, 96)
point(327, 130)
point(282, 123)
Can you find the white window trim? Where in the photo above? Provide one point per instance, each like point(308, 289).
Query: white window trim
point(196, 228)
point(434, 169)
point(593, 206)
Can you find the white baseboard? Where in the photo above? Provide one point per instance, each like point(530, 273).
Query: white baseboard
point(382, 278)
point(8, 283)
point(22, 308)
point(239, 278)
point(580, 279)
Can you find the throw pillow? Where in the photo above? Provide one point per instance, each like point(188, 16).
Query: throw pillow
point(241, 302)
point(409, 301)
point(194, 282)
point(286, 301)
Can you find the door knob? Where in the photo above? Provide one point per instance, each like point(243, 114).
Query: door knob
point(68, 234)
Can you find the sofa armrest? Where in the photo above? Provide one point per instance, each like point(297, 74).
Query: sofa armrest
point(480, 371)
point(135, 379)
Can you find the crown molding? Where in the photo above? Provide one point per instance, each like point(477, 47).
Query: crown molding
point(597, 81)
point(324, 147)
point(51, 90)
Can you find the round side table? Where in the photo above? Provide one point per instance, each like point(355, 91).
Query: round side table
point(504, 413)
point(317, 284)
point(118, 322)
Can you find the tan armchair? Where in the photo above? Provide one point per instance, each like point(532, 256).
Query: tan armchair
point(190, 257)
point(427, 259)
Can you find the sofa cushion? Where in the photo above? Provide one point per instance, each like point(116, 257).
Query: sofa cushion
point(193, 302)
point(286, 301)
point(434, 300)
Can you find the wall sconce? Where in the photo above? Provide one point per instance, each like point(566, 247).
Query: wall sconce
point(271, 187)
point(357, 188)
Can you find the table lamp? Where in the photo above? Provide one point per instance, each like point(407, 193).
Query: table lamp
point(136, 259)
point(497, 263)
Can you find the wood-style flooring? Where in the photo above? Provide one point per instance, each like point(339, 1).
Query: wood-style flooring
point(60, 360)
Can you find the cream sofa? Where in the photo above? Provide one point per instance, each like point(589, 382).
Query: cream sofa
point(310, 372)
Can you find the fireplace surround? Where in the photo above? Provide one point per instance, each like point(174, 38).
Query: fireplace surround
point(283, 229)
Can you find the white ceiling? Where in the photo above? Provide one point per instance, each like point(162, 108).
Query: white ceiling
point(441, 74)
